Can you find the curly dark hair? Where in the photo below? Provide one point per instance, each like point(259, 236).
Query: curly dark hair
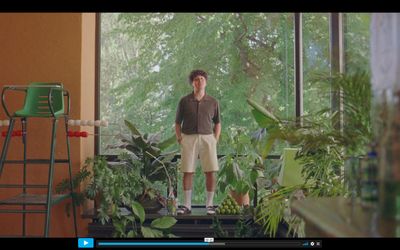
point(195, 73)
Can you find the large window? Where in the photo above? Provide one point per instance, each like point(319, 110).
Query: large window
point(146, 59)
point(316, 62)
point(317, 57)
point(357, 41)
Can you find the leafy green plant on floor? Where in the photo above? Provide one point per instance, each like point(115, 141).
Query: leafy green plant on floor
point(219, 231)
point(64, 185)
point(241, 167)
point(273, 209)
point(146, 154)
point(245, 227)
point(108, 185)
point(115, 187)
point(115, 184)
point(139, 175)
point(132, 225)
point(323, 147)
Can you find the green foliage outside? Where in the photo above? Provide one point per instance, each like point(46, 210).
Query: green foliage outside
point(146, 59)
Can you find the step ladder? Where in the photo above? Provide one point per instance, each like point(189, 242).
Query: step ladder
point(42, 100)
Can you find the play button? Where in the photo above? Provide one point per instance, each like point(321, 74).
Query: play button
point(85, 243)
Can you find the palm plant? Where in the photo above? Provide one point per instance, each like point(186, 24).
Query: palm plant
point(323, 148)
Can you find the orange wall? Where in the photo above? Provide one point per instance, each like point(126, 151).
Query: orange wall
point(47, 47)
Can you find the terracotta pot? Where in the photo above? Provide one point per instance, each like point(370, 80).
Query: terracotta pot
point(241, 199)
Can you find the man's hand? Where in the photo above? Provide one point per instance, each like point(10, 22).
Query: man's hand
point(217, 131)
point(178, 133)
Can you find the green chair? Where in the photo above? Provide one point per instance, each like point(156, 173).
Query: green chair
point(37, 101)
point(42, 100)
point(290, 173)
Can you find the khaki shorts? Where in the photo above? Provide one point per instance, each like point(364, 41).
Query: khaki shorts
point(199, 146)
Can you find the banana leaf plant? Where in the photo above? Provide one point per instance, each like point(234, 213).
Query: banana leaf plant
point(275, 128)
point(156, 164)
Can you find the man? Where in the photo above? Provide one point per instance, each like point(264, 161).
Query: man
point(197, 128)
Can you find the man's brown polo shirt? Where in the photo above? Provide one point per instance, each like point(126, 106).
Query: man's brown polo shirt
point(197, 116)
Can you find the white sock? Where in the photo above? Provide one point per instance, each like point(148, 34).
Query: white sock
point(210, 197)
point(188, 199)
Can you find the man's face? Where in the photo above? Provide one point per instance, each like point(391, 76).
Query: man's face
point(199, 83)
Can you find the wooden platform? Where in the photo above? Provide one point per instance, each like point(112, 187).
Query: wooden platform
point(197, 224)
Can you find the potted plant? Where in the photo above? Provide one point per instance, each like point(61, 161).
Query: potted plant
point(132, 225)
point(77, 179)
point(240, 168)
point(115, 187)
point(144, 154)
point(140, 174)
point(108, 185)
point(323, 148)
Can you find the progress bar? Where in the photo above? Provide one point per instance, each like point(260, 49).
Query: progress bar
point(136, 243)
point(210, 243)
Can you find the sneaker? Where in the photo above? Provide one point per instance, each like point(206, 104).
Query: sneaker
point(210, 210)
point(183, 210)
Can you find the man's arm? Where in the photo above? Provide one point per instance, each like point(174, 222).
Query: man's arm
point(178, 132)
point(217, 131)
